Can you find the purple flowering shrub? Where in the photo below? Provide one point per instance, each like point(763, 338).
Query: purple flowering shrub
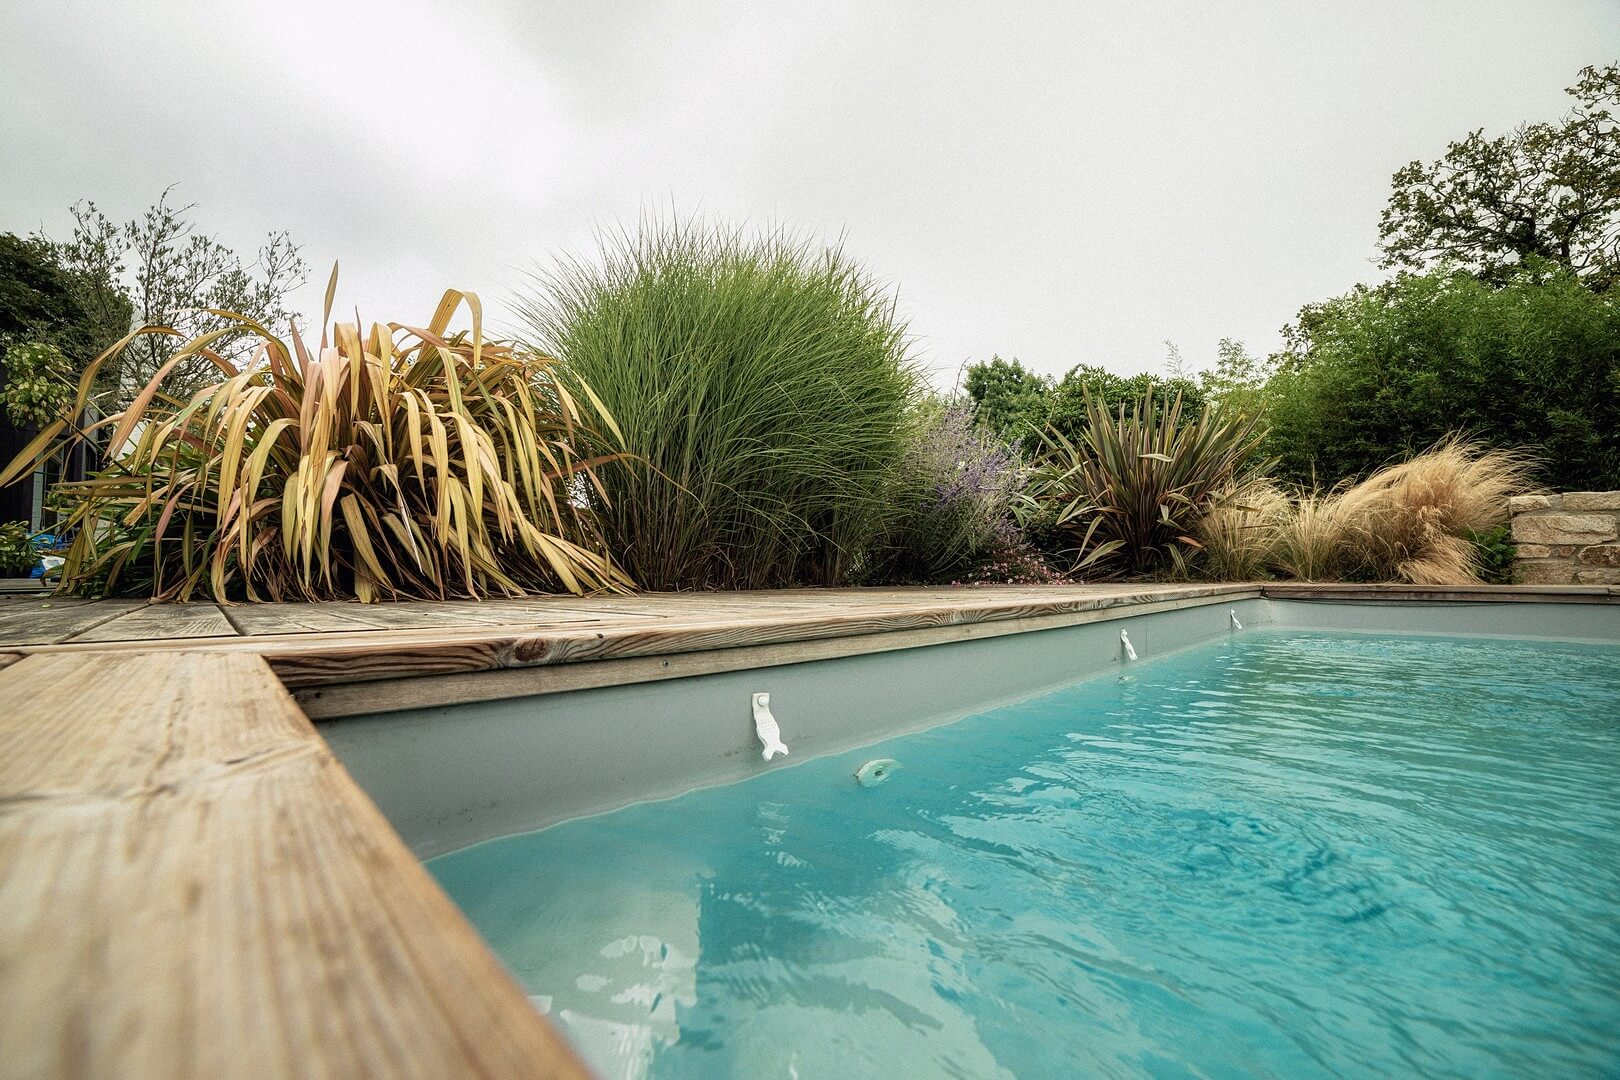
point(956, 524)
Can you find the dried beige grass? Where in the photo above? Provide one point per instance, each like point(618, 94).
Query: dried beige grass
point(1410, 522)
point(1317, 541)
point(1240, 533)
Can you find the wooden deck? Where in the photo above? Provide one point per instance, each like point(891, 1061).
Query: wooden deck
point(192, 886)
point(342, 658)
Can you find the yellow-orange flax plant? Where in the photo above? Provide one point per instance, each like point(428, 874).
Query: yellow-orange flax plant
point(399, 462)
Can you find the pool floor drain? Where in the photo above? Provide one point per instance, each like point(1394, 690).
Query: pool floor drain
point(875, 772)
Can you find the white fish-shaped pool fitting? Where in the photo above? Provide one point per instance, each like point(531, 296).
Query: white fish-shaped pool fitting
point(766, 727)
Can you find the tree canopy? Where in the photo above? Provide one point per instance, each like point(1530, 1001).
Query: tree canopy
point(1544, 193)
point(1388, 370)
point(1018, 403)
point(160, 266)
point(38, 301)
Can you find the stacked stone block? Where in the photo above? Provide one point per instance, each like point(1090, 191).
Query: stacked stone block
point(1568, 539)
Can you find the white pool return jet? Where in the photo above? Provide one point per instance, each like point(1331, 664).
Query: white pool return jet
point(1125, 646)
point(766, 727)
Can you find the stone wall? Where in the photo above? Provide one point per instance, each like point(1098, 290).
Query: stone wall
point(1568, 539)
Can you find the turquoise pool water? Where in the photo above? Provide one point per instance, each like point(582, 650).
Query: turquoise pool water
point(1285, 855)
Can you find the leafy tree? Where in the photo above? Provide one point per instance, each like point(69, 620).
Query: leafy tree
point(166, 272)
point(1068, 413)
point(1018, 404)
point(37, 299)
point(46, 336)
point(1544, 192)
point(1388, 370)
point(1007, 397)
point(1238, 378)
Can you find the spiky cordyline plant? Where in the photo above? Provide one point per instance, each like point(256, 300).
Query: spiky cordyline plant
point(1130, 493)
point(402, 463)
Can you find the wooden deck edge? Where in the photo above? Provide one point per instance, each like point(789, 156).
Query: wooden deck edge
point(332, 701)
point(1520, 594)
point(306, 660)
point(194, 887)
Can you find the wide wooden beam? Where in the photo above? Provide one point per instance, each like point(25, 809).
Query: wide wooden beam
point(191, 886)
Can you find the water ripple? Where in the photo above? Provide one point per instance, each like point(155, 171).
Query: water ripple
point(1282, 856)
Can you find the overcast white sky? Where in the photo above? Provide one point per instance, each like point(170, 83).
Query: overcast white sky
point(1061, 182)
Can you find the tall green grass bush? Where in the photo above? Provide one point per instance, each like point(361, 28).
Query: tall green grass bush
point(761, 383)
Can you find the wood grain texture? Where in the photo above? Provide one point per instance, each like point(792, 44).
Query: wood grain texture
point(191, 886)
point(38, 620)
point(332, 643)
point(333, 661)
point(162, 621)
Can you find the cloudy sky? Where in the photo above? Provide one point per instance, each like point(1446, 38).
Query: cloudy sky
point(1062, 182)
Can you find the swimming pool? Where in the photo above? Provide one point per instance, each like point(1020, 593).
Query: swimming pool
point(1282, 853)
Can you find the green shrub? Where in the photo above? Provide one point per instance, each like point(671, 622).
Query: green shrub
point(762, 385)
point(38, 383)
point(1129, 495)
point(1007, 397)
point(1068, 410)
point(18, 556)
point(1494, 552)
point(1385, 372)
point(1019, 404)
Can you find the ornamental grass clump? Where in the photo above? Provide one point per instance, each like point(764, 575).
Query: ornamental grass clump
point(1417, 521)
point(1129, 494)
point(397, 462)
point(1241, 530)
point(1317, 539)
point(762, 385)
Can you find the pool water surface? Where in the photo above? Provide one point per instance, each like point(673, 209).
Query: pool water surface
point(1287, 854)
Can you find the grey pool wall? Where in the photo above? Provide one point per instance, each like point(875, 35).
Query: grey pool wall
point(456, 775)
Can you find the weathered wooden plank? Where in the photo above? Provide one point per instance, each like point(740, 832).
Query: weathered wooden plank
point(191, 886)
point(353, 660)
point(330, 701)
point(464, 637)
point(163, 622)
point(41, 620)
point(263, 620)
